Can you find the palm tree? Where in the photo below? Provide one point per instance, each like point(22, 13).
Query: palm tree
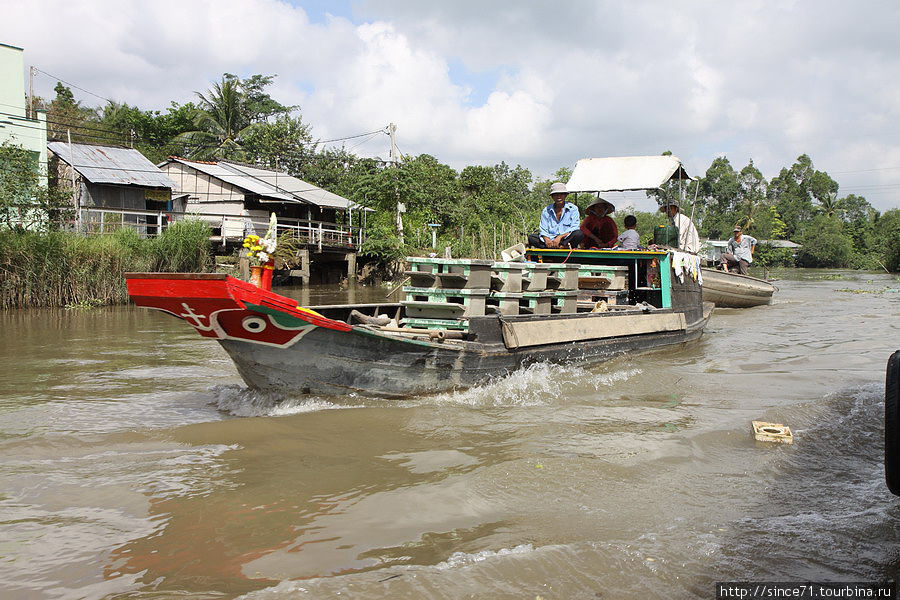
point(829, 205)
point(221, 123)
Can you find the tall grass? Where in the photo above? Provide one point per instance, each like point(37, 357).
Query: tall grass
point(60, 268)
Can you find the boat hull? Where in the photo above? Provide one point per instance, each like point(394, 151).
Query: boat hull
point(732, 290)
point(367, 363)
point(279, 346)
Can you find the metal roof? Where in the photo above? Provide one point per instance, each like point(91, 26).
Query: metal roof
point(230, 175)
point(271, 186)
point(624, 173)
point(105, 164)
point(306, 192)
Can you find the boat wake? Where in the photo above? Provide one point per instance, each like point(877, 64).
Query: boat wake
point(244, 402)
point(536, 385)
point(462, 559)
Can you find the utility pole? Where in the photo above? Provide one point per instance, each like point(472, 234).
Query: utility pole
point(75, 196)
point(395, 152)
point(395, 159)
point(31, 92)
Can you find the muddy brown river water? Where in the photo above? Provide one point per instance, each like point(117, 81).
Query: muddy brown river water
point(135, 464)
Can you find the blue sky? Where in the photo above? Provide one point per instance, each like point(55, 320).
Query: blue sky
point(320, 11)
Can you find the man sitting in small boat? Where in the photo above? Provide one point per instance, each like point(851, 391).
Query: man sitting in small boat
point(598, 227)
point(629, 239)
point(688, 238)
point(740, 252)
point(559, 222)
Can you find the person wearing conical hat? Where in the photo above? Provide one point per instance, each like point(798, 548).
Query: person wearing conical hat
point(598, 227)
point(559, 222)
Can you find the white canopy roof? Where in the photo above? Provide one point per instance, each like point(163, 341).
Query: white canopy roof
point(624, 173)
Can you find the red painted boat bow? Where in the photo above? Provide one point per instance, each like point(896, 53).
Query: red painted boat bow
point(222, 307)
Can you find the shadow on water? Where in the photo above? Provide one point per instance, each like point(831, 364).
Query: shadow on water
point(310, 495)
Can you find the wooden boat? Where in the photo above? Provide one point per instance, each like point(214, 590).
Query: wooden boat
point(733, 290)
point(277, 345)
point(462, 322)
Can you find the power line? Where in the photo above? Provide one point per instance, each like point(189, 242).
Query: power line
point(74, 86)
point(350, 137)
point(70, 125)
point(865, 170)
point(368, 139)
point(127, 136)
point(84, 135)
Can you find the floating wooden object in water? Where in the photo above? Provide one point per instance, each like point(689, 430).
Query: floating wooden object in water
point(772, 432)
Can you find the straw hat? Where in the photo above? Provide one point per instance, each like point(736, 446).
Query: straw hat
point(598, 202)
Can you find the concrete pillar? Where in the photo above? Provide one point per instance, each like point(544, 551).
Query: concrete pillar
point(244, 265)
point(351, 267)
point(304, 266)
point(303, 271)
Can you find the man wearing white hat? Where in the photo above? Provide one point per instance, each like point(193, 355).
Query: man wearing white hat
point(599, 229)
point(560, 222)
point(688, 238)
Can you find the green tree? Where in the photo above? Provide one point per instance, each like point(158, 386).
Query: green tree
point(767, 223)
point(153, 133)
point(858, 217)
point(66, 117)
point(278, 144)
point(794, 191)
point(824, 244)
point(237, 119)
point(220, 122)
point(751, 198)
point(886, 235)
point(25, 203)
point(829, 206)
point(258, 105)
point(719, 188)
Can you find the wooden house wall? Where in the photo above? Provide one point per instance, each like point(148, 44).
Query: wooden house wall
point(207, 194)
point(114, 196)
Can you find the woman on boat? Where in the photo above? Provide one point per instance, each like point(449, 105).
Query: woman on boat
point(598, 227)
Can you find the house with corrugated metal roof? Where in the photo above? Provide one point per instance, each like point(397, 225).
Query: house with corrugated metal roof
point(245, 196)
point(110, 183)
point(237, 199)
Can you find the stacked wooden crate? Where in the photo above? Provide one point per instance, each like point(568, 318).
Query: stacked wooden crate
point(444, 292)
point(506, 287)
point(563, 281)
point(548, 288)
point(603, 282)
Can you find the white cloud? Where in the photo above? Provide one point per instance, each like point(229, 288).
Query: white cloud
point(582, 78)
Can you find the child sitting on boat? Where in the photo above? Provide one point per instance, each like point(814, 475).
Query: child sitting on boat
point(629, 239)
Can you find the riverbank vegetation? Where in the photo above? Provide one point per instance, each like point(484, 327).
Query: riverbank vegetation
point(59, 268)
point(480, 209)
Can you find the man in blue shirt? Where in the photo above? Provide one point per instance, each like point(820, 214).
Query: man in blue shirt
point(740, 252)
point(560, 222)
